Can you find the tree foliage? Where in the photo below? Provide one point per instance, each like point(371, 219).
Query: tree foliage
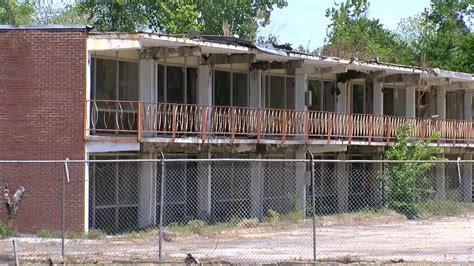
point(438, 37)
point(13, 12)
point(223, 17)
point(406, 183)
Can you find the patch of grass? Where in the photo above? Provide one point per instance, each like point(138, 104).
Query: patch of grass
point(200, 227)
point(445, 208)
point(273, 216)
point(6, 230)
point(362, 213)
point(92, 234)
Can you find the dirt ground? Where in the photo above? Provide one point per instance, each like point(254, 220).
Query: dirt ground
point(379, 239)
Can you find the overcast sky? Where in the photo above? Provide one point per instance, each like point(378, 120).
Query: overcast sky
point(303, 21)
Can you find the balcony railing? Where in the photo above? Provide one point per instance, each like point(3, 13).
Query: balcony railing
point(149, 120)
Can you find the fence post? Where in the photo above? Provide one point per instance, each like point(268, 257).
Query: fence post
point(162, 191)
point(313, 204)
point(63, 206)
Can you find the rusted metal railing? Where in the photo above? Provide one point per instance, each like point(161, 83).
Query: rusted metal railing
point(147, 119)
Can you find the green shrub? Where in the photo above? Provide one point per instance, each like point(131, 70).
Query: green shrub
point(406, 183)
point(6, 230)
point(273, 216)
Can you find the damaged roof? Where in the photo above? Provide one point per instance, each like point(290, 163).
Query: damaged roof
point(269, 52)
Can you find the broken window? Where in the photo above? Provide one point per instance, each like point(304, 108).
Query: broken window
point(323, 94)
point(358, 99)
point(455, 105)
point(176, 84)
point(230, 88)
point(394, 101)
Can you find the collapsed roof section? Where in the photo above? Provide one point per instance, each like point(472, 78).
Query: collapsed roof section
point(226, 49)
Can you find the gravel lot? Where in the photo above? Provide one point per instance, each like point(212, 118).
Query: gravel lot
point(383, 239)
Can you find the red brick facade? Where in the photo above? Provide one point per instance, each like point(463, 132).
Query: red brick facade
point(42, 94)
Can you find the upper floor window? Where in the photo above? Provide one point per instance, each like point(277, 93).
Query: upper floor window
point(455, 105)
point(358, 99)
point(230, 88)
point(114, 79)
point(394, 101)
point(323, 95)
point(280, 92)
point(176, 84)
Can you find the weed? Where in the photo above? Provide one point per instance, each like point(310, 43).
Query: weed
point(6, 230)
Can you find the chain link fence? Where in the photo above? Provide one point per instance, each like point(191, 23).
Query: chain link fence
point(237, 210)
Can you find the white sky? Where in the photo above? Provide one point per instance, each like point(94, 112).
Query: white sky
point(304, 21)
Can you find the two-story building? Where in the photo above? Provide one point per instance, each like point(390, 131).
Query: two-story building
point(68, 92)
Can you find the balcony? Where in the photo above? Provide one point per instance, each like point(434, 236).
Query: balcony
point(185, 123)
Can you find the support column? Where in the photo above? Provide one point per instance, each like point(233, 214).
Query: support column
point(378, 98)
point(377, 194)
point(440, 181)
point(301, 81)
point(466, 184)
point(468, 106)
point(300, 180)
point(256, 188)
point(204, 89)
point(204, 187)
point(147, 194)
point(342, 184)
point(410, 102)
point(341, 106)
point(147, 84)
point(441, 103)
point(255, 89)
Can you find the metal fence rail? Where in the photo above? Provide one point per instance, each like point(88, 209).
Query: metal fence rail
point(238, 210)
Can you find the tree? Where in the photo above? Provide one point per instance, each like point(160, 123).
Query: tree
point(352, 33)
point(448, 20)
point(13, 12)
point(237, 17)
point(406, 183)
point(223, 17)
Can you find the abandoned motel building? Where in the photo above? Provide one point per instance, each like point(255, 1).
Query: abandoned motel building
point(69, 92)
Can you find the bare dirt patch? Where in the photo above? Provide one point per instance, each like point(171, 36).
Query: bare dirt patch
point(370, 238)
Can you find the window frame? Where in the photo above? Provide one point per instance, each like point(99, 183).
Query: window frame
point(185, 75)
point(93, 91)
point(267, 87)
point(323, 104)
point(117, 205)
point(364, 97)
point(231, 71)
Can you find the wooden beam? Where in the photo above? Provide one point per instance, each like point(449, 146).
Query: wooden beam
point(394, 78)
point(167, 52)
point(265, 65)
point(350, 75)
point(220, 59)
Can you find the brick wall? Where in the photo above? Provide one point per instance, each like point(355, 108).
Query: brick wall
point(42, 94)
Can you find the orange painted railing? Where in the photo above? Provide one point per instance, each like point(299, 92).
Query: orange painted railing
point(146, 119)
